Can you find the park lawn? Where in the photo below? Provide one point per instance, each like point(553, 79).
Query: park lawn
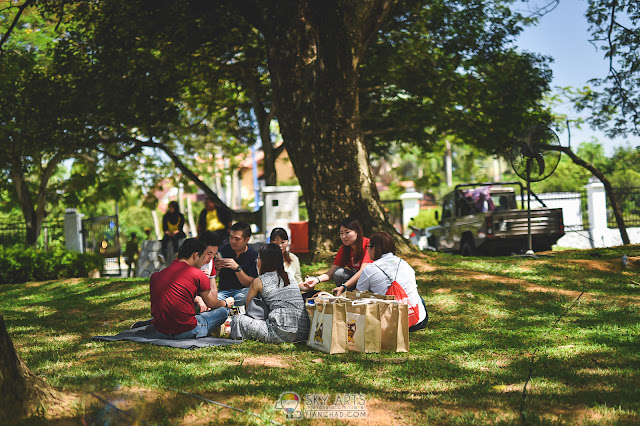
point(566, 324)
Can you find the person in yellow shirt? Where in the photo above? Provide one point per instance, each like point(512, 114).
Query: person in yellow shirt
point(212, 218)
point(172, 224)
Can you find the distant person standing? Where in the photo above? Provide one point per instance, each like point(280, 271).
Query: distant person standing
point(172, 224)
point(213, 218)
point(131, 253)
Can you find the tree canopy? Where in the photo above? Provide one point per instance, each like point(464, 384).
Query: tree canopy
point(614, 101)
point(188, 75)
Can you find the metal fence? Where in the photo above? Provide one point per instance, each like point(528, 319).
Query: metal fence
point(393, 209)
point(575, 213)
point(16, 233)
point(629, 199)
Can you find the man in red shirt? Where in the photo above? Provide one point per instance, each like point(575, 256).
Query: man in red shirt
point(174, 289)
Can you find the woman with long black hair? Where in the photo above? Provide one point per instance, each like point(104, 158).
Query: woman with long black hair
point(348, 263)
point(287, 320)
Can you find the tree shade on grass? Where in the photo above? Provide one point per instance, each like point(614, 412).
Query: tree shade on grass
point(494, 323)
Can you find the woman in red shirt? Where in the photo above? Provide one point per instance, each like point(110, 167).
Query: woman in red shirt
point(347, 265)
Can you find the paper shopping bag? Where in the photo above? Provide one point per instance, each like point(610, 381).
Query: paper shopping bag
point(322, 296)
point(394, 325)
point(355, 295)
point(363, 326)
point(328, 332)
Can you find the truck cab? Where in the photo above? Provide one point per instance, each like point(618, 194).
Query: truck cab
point(484, 218)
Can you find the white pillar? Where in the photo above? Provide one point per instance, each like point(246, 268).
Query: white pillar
point(410, 207)
point(73, 230)
point(597, 205)
point(448, 164)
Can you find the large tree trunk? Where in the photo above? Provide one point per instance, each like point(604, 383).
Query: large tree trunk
point(313, 49)
point(21, 391)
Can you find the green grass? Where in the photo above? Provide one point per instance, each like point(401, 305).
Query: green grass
point(493, 322)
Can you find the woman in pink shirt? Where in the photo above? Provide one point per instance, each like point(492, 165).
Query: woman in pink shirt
point(348, 263)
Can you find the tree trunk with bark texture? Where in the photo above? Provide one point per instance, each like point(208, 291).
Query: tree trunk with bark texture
point(21, 391)
point(313, 50)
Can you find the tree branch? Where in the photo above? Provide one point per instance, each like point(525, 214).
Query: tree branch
point(615, 205)
point(47, 172)
point(136, 149)
point(186, 170)
point(21, 9)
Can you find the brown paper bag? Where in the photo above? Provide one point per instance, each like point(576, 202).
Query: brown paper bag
point(363, 326)
point(328, 332)
point(394, 325)
point(322, 296)
point(355, 295)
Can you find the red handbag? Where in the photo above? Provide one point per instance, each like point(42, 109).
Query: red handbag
point(400, 295)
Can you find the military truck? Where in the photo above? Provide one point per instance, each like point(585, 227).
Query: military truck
point(485, 219)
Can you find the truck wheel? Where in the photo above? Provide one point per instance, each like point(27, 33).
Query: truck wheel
point(468, 248)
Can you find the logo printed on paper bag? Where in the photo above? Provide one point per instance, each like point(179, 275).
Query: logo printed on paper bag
point(351, 331)
point(317, 336)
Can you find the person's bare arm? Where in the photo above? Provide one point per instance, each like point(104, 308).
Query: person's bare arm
point(203, 306)
point(242, 276)
point(210, 298)
point(312, 281)
point(254, 289)
point(350, 284)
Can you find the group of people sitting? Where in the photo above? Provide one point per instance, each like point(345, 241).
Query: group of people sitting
point(187, 303)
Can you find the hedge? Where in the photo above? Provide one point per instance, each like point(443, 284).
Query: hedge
point(19, 264)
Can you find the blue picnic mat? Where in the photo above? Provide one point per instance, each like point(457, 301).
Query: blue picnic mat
point(143, 335)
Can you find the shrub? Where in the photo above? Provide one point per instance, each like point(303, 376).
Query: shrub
point(19, 264)
point(425, 218)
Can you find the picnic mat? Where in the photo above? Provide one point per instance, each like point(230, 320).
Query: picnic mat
point(143, 335)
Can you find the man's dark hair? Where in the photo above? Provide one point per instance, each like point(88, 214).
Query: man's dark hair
point(241, 226)
point(212, 238)
point(190, 246)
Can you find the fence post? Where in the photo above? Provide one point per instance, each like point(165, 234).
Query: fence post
point(597, 205)
point(410, 208)
point(73, 230)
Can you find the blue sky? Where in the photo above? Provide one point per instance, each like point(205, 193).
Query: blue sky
point(563, 35)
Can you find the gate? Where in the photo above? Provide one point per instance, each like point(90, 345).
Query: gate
point(101, 235)
point(393, 209)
